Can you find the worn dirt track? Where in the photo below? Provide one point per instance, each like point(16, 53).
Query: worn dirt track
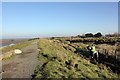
point(22, 65)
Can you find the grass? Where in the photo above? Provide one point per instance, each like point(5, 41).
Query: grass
point(16, 46)
point(58, 60)
point(11, 57)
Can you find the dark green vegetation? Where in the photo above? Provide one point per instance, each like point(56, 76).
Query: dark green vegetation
point(60, 58)
point(102, 40)
point(97, 35)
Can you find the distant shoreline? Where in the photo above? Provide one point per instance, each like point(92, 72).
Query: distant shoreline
point(8, 42)
point(6, 45)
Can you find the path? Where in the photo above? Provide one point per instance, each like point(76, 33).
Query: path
point(23, 65)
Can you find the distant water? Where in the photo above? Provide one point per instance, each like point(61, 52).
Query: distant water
point(0, 46)
point(9, 42)
point(6, 45)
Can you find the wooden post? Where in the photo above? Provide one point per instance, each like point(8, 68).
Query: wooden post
point(115, 54)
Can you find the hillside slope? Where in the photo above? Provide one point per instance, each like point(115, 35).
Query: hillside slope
point(58, 60)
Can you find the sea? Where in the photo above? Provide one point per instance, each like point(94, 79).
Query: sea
point(10, 42)
point(1, 46)
point(5, 43)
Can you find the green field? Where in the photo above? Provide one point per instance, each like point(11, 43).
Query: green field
point(59, 60)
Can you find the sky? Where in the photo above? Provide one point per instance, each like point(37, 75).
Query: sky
point(47, 19)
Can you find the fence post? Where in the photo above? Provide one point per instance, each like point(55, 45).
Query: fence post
point(106, 54)
point(115, 54)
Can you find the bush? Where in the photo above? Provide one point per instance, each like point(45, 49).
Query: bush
point(98, 34)
point(89, 35)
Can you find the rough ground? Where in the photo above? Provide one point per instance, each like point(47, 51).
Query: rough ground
point(60, 60)
point(23, 65)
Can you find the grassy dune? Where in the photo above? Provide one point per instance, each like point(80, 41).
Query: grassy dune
point(58, 60)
